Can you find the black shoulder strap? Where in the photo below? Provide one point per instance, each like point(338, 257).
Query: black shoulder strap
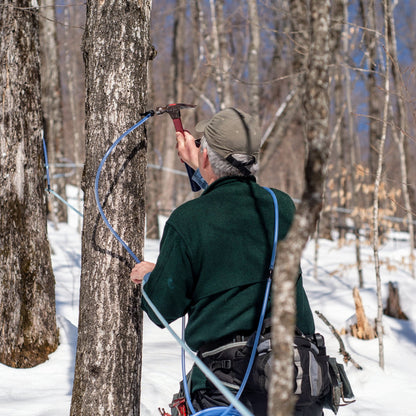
point(241, 166)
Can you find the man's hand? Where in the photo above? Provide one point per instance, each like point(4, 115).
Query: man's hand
point(187, 151)
point(139, 270)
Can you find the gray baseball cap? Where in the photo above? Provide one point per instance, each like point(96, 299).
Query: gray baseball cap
point(231, 131)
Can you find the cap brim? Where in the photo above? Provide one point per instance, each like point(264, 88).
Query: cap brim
point(200, 127)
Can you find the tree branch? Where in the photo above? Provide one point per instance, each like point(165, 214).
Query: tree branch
point(342, 350)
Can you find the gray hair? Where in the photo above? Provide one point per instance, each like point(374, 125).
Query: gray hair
point(222, 167)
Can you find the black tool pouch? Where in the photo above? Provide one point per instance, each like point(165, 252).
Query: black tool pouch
point(262, 367)
point(340, 387)
point(318, 377)
point(311, 369)
point(228, 362)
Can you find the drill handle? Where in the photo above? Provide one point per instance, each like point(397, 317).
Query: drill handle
point(178, 127)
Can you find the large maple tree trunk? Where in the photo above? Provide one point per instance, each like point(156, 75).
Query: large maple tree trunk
point(52, 105)
point(28, 330)
point(108, 362)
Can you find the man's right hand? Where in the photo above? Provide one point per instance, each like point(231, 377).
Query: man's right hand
point(187, 151)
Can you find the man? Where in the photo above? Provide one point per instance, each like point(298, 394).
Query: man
point(214, 257)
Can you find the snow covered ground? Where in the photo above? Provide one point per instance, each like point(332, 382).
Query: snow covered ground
point(46, 389)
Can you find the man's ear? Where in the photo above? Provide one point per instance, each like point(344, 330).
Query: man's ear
point(205, 159)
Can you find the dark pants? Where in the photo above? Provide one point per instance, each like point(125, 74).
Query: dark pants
point(313, 409)
point(256, 403)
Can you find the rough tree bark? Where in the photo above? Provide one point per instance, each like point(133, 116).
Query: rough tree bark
point(28, 330)
point(51, 103)
point(315, 100)
point(108, 362)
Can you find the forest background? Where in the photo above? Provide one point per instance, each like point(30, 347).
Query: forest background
point(216, 54)
point(254, 55)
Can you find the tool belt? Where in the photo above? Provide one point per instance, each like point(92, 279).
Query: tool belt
point(228, 359)
point(318, 378)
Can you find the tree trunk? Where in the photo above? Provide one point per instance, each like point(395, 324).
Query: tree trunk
point(154, 183)
point(202, 50)
point(353, 149)
point(323, 226)
point(400, 137)
point(377, 182)
point(367, 9)
point(223, 65)
point(51, 103)
point(299, 15)
point(178, 51)
point(287, 111)
point(393, 307)
point(74, 80)
point(108, 362)
point(165, 130)
point(253, 62)
point(316, 103)
point(27, 292)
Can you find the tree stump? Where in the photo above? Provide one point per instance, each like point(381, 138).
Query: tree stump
point(393, 307)
point(362, 329)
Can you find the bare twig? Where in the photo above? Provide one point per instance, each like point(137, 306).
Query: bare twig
point(342, 350)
